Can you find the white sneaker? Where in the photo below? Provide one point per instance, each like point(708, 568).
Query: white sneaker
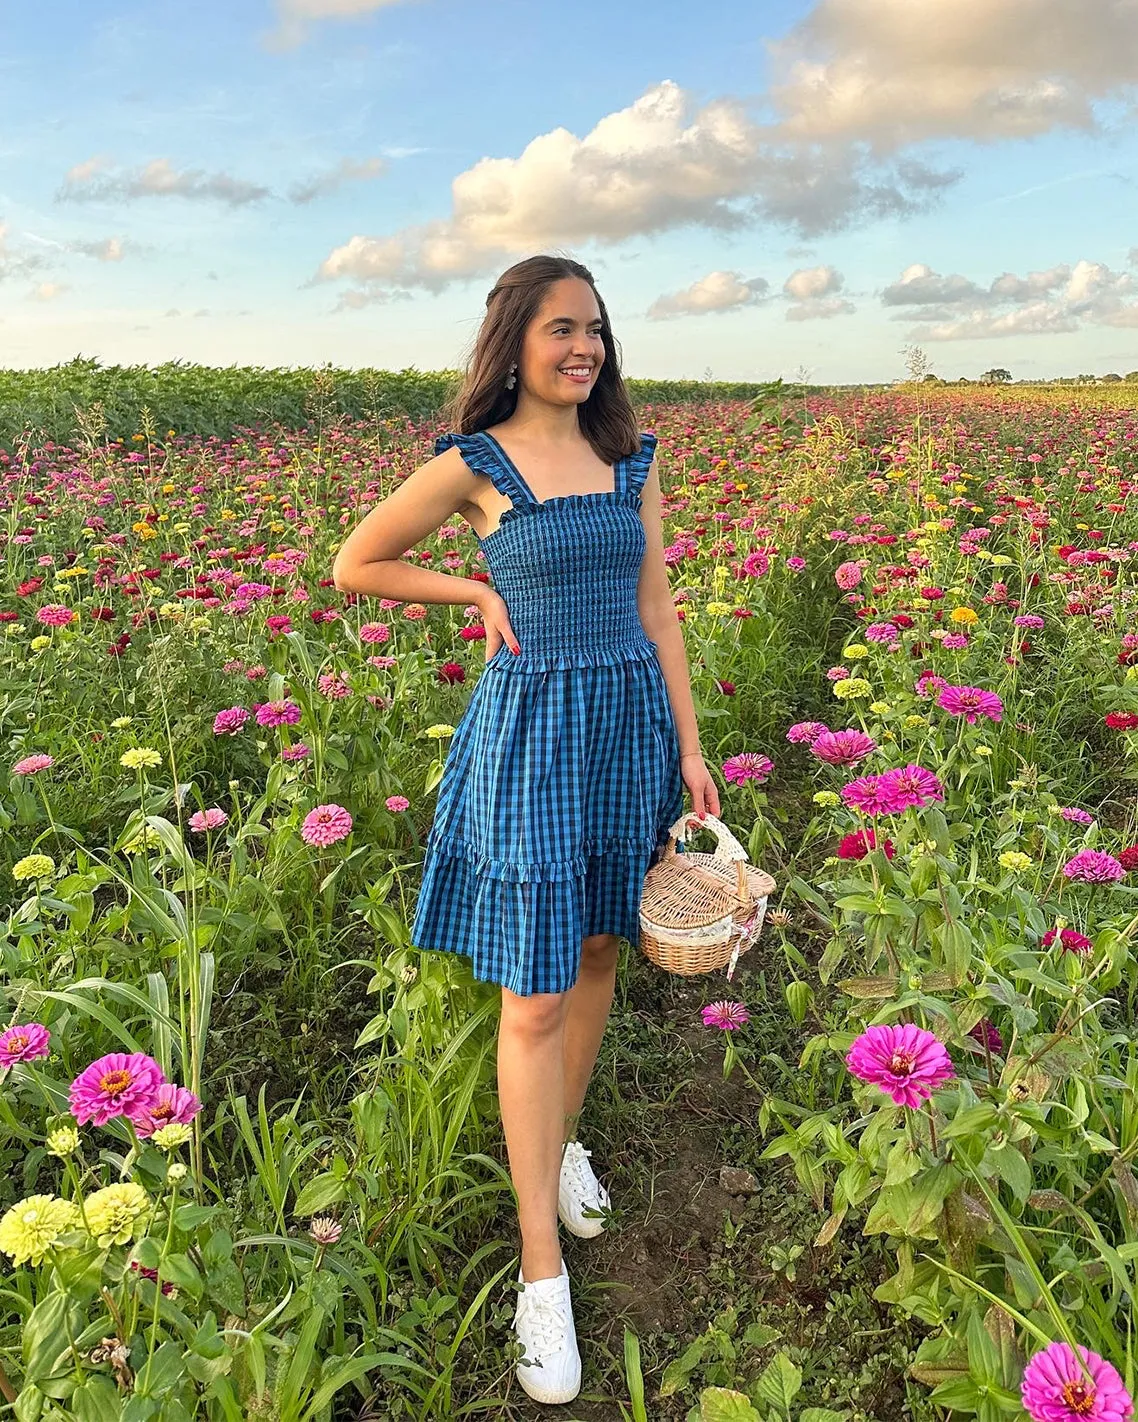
point(579, 1190)
point(551, 1368)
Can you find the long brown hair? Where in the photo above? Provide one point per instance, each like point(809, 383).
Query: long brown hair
point(606, 418)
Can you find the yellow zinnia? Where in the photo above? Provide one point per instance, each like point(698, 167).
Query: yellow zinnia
point(963, 614)
point(29, 1229)
point(113, 1212)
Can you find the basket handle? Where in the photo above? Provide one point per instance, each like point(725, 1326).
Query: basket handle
point(727, 848)
point(726, 845)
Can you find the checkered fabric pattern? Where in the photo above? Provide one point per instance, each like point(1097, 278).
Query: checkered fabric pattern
point(563, 774)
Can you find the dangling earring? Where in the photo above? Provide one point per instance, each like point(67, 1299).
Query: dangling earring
point(511, 379)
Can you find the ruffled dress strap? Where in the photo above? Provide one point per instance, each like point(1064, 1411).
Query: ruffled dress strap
point(634, 467)
point(482, 453)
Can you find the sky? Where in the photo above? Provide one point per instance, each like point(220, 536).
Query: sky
point(805, 190)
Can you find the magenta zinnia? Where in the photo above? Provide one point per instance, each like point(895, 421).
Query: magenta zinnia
point(727, 1016)
point(172, 1104)
point(873, 795)
point(1092, 866)
point(1056, 1388)
point(842, 747)
point(748, 765)
point(970, 702)
point(115, 1085)
point(24, 1044)
point(805, 732)
point(905, 1061)
point(326, 824)
point(913, 786)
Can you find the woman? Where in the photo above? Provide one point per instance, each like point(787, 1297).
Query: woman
point(567, 768)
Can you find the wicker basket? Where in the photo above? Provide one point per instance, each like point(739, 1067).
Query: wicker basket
point(699, 912)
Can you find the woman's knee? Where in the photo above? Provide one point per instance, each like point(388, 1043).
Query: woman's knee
point(599, 952)
point(537, 1017)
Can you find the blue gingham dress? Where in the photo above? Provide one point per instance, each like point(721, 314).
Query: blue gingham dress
point(563, 774)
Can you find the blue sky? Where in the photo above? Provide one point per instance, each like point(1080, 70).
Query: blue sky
point(758, 189)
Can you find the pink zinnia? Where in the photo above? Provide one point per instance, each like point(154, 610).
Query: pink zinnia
point(173, 1104)
point(970, 702)
point(905, 1061)
point(954, 641)
point(31, 764)
point(914, 786)
point(326, 824)
point(212, 818)
point(1076, 816)
point(374, 632)
point(397, 803)
point(230, 721)
point(847, 576)
point(805, 732)
point(115, 1085)
point(756, 564)
point(928, 685)
point(24, 1044)
point(1092, 866)
point(727, 1016)
point(277, 713)
point(299, 751)
point(54, 614)
point(842, 747)
point(1057, 1388)
point(748, 765)
point(880, 632)
point(873, 795)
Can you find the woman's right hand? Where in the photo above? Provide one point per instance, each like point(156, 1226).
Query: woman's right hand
point(496, 620)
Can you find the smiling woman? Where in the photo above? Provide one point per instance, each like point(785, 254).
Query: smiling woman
point(564, 773)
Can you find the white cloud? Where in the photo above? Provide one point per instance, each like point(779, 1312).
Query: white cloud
point(348, 170)
point(897, 72)
point(1060, 299)
point(651, 167)
point(295, 16)
point(91, 181)
point(812, 292)
point(717, 292)
point(48, 290)
point(919, 285)
point(809, 282)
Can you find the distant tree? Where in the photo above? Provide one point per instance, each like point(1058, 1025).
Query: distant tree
point(1132, 375)
point(1111, 378)
point(932, 379)
point(1086, 379)
point(996, 376)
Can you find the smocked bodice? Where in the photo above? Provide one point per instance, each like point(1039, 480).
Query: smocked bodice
point(567, 567)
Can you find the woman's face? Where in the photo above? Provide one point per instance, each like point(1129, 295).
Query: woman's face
point(564, 336)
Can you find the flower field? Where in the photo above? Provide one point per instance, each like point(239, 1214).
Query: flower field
point(251, 1162)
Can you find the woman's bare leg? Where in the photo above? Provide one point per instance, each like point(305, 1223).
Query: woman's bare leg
point(531, 1090)
point(590, 999)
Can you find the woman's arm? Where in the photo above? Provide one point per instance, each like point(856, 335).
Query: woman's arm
point(370, 560)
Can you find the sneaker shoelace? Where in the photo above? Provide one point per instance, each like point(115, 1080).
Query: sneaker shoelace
point(582, 1173)
point(546, 1320)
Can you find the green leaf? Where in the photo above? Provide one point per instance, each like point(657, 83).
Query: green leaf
point(161, 1371)
point(321, 1193)
point(721, 1404)
point(821, 1414)
point(780, 1383)
point(1012, 1168)
point(679, 1370)
point(96, 1400)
